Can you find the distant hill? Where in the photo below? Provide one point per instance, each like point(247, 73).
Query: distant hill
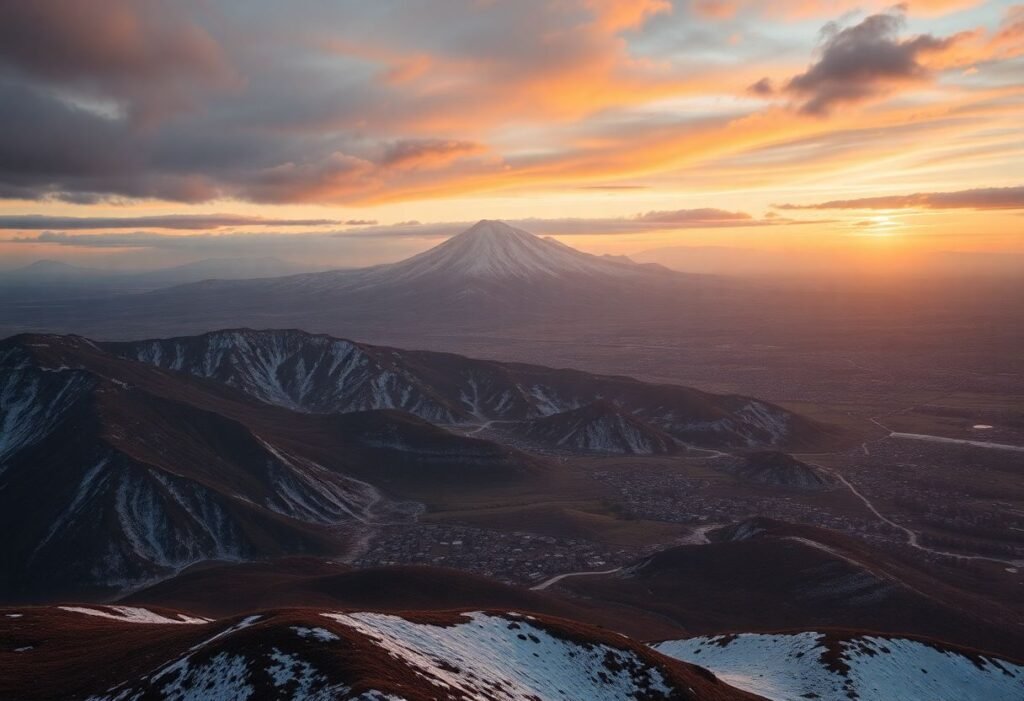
point(765, 575)
point(776, 468)
point(56, 278)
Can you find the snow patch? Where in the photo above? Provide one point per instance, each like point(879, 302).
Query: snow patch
point(505, 659)
point(791, 667)
point(321, 634)
point(300, 676)
point(132, 614)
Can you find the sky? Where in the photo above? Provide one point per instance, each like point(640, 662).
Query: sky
point(142, 133)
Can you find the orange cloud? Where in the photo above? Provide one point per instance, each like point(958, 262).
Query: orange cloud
point(575, 64)
point(538, 97)
point(416, 153)
point(616, 15)
point(809, 9)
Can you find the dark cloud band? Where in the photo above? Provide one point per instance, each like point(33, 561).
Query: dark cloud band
point(187, 222)
point(978, 198)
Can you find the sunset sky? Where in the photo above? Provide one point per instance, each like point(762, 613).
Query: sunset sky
point(149, 133)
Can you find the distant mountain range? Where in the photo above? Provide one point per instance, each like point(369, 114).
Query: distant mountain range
point(50, 278)
point(489, 275)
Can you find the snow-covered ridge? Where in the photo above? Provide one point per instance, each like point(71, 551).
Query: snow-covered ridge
point(320, 374)
point(800, 666)
point(358, 656)
point(493, 657)
point(298, 371)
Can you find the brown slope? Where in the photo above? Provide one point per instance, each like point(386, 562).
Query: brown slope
point(226, 589)
point(779, 576)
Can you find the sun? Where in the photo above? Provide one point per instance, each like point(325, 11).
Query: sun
point(880, 225)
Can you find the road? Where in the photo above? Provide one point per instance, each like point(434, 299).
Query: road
point(913, 539)
point(959, 441)
point(555, 580)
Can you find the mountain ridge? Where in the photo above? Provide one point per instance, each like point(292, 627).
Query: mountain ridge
point(116, 652)
point(321, 373)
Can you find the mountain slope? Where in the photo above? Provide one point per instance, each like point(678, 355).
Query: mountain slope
point(120, 482)
point(317, 373)
point(306, 654)
point(850, 666)
point(598, 427)
point(113, 472)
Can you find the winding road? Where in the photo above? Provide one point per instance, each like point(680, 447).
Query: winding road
point(913, 539)
point(555, 580)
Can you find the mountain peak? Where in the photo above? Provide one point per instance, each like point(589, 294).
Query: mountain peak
point(494, 227)
point(491, 233)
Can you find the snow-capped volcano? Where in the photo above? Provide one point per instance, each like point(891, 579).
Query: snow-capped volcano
point(493, 249)
point(490, 275)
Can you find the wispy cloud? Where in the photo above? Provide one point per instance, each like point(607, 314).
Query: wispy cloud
point(670, 220)
point(978, 198)
point(188, 222)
